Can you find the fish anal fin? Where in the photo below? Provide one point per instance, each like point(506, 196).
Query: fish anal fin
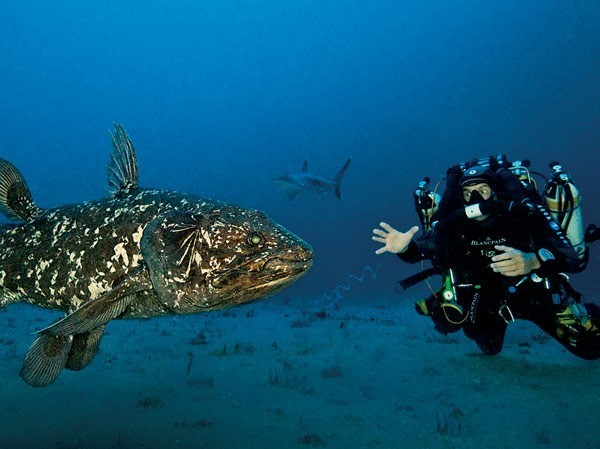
point(84, 348)
point(122, 169)
point(16, 201)
point(45, 359)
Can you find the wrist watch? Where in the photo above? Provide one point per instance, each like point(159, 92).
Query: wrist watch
point(544, 255)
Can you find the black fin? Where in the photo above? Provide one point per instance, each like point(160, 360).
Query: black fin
point(338, 179)
point(84, 348)
point(122, 169)
point(15, 198)
point(45, 359)
point(100, 311)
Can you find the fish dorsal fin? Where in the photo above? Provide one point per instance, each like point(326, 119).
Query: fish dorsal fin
point(122, 169)
point(305, 167)
point(15, 198)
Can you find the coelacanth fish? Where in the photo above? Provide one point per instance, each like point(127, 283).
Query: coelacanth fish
point(138, 253)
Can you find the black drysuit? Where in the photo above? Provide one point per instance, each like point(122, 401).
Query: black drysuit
point(491, 299)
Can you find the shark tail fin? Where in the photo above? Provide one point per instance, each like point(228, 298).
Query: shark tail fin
point(338, 178)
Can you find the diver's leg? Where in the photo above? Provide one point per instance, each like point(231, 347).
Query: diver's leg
point(432, 308)
point(485, 325)
point(574, 325)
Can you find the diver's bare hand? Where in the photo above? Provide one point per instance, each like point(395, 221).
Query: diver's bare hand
point(513, 262)
point(394, 241)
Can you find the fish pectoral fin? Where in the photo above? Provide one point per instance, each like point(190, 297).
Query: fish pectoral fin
point(84, 349)
point(73, 341)
point(45, 359)
point(122, 170)
point(101, 310)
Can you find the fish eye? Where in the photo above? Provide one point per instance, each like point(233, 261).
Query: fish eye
point(255, 239)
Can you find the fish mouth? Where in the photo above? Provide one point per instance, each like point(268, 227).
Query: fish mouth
point(278, 272)
point(274, 272)
point(280, 264)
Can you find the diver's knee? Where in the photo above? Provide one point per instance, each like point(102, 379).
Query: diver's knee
point(490, 349)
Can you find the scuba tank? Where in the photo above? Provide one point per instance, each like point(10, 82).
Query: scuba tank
point(563, 202)
point(426, 203)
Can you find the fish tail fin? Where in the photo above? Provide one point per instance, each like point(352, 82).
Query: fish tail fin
point(16, 201)
point(337, 181)
point(45, 359)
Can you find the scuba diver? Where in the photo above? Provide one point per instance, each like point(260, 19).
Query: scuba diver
point(502, 255)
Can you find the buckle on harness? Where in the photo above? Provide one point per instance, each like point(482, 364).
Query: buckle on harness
point(506, 314)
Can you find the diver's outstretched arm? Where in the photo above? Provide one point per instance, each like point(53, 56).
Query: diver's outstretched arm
point(393, 240)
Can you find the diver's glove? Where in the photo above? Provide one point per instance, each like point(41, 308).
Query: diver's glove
point(454, 173)
point(452, 197)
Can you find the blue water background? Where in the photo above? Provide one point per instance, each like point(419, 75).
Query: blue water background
point(220, 97)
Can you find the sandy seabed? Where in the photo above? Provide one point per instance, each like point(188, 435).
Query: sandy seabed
point(299, 374)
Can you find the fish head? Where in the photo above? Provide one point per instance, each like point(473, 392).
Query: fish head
point(221, 257)
point(254, 257)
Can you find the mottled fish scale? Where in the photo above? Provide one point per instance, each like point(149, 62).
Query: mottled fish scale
point(138, 253)
point(78, 252)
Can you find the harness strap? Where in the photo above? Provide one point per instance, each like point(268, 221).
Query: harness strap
point(418, 277)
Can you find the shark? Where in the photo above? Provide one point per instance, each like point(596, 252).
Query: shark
point(305, 181)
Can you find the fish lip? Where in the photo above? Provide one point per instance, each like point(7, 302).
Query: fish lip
point(281, 268)
point(296, 266)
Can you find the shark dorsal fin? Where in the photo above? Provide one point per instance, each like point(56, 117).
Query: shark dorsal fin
point(122, 170)
point(15, 198)
point(305, 167)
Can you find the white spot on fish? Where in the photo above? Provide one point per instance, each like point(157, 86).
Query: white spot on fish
point(43, 265)
point(137, 258)
point(76, 302)
point(121, 253)
point(137, 237)
point(96, 289)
